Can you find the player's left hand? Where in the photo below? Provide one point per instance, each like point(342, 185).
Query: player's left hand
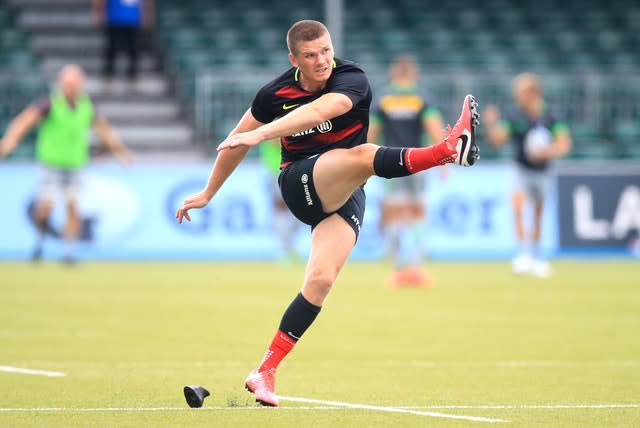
point(198, 200)
point(251, 138)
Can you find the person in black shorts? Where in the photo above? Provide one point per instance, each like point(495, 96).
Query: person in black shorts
point(319, 109)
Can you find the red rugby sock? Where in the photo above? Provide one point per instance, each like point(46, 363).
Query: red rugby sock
point(281, 345)
point(419, 159)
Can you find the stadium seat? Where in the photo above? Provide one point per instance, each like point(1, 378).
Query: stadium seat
point(627, 131)
point(585, 133)
point(602, 150)
point(571, 38)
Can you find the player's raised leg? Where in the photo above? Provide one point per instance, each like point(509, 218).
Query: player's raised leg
point(331, 243)
point(339, 172)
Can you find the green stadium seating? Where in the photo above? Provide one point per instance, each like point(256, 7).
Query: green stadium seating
point(568, 38)
point(21, 81)
point(601, 150)
point(627, 131)
point(549, 40)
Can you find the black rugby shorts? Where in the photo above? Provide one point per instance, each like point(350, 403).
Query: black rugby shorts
point(299, 193)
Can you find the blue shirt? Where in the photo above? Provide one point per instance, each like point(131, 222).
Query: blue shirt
point(125, 13)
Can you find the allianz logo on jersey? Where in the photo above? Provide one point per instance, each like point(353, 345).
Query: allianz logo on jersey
point(325, 126)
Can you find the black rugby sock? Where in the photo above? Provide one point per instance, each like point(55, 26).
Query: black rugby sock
point(389, 162)
point(298, 317)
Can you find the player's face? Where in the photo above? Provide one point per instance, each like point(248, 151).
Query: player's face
point(314, 59)
point(72, 82)
point(526, 96)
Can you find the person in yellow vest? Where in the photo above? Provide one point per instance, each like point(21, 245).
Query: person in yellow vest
point(65, 118)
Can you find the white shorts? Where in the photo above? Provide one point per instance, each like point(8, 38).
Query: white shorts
point(534, 183)
point(57, 182)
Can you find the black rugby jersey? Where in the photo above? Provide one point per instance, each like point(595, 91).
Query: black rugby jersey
point(519, 124)
point(400, 112)
point(284, 94)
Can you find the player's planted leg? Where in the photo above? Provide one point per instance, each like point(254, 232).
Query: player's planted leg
point(297, 318)
point(329, 252)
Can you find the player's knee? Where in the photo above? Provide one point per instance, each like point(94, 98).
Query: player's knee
point(320, 281)
point(366, 152)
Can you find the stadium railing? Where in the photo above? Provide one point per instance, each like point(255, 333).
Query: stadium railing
point(604, 109)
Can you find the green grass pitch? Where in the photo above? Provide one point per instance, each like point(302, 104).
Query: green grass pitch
point(482, 343)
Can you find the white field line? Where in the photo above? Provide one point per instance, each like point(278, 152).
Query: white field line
point(329, 405)
point(308, 408)
point(391, 409)
point(527, 406)
point(20, 370)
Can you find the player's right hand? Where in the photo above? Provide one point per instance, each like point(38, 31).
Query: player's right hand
point(198, 200)
point(251, 138)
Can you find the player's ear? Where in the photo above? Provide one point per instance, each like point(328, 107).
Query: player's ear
point(292, 60)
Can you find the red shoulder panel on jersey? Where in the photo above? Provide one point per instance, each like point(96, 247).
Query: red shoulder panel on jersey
point(334, 137)
point(291, 92)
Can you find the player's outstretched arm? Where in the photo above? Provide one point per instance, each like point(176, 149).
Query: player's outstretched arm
point(110, 139)
point(18, 128)
point(306, 117)
point(225, 163)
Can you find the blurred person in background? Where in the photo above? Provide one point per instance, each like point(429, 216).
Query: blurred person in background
point(540, 137)
point(403, 118)
point(284, 223)
point(65, 118)
point(319, 108)
point(123, 21)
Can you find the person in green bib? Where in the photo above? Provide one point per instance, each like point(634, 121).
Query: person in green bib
point(65, 118)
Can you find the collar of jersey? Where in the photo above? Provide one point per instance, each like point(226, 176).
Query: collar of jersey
point(296, 75)
point(403, 89)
